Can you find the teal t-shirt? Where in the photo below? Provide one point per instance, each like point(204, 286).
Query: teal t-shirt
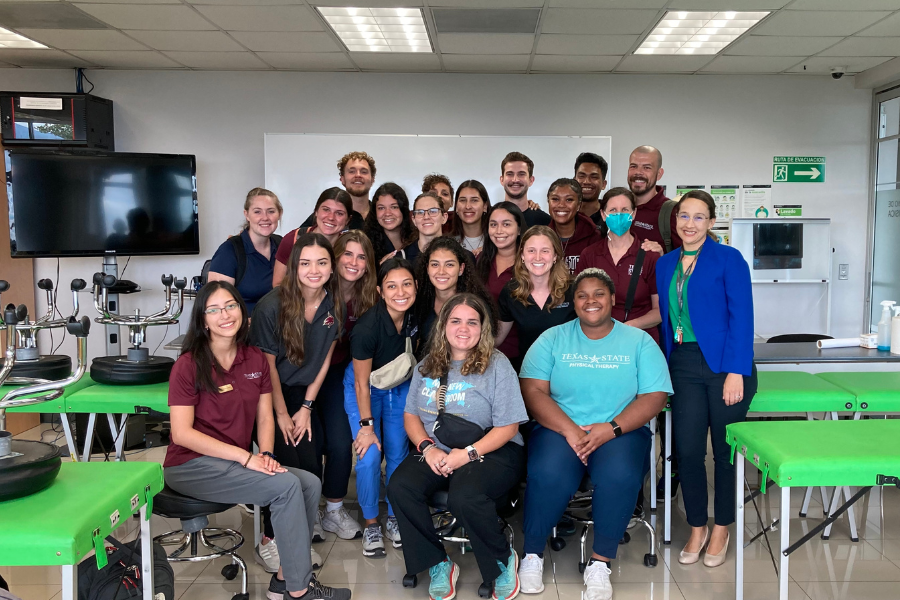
point(594, 380)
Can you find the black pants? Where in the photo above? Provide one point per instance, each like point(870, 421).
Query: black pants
point(474, 491)
point(698, 408)
point(335, 440)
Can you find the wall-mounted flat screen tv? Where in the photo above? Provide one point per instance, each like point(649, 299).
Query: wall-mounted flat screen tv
point(89, 203)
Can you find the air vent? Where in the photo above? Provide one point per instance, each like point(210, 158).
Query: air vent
point(486, 20)
point(45, 15)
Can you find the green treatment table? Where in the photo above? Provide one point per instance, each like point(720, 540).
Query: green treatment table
point(61, 524)
point(876, 392)
point(811, 454)
point(778, 392)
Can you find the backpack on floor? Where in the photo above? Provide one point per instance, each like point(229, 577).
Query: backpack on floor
point(121, 578)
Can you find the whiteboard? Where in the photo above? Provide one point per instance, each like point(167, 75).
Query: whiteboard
point(300, 166)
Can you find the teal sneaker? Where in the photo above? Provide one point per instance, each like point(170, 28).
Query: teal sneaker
point(506, 586)
point(443, 580)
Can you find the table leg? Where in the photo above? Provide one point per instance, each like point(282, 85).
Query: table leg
point(119, 432)
point(739, 526)
point(89, 437)
point(832, 506)
point(653, 465)
point(70, 439)
point(851, 516)
point(257, 527)
point(70, 582)
point(146, 555)
point(667, 473)
point(783, 578)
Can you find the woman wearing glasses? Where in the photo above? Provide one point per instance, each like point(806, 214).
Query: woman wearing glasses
point(429, 217)
point(707, 329)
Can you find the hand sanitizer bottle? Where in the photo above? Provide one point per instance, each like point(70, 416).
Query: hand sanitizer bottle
point(884, 326)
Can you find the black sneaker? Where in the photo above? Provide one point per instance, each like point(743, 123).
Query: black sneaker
point(317, 591)
point(277, 588)
point(661, 487)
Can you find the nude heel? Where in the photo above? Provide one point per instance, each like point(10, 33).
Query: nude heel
point(689, 558)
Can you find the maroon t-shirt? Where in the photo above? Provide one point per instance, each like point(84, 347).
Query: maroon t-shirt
point(598, 256)
point(585, 234)
point(646, 221)
point(287, 244)
point(227, 416)
point(495, 283)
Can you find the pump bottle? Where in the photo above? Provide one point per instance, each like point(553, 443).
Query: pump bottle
point(884, 326)
point(895, 331)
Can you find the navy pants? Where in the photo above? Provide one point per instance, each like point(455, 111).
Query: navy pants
point(698, 408)
point(554, 473)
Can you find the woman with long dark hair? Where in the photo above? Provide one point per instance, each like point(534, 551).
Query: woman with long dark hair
point(219, 388)
point(388, 224)
point(470, 209)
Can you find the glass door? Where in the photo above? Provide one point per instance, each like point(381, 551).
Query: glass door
point(885, 275)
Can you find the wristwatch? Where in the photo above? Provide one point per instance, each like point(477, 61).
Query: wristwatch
point(269, 454)
point(307, 404)
point(617, 431)
point(473, 454)
point(367, 422)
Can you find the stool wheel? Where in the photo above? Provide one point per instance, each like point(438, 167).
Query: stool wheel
point(581, 567)
point(485, 590)
point(241, 597)
point(229, 572)
point(650, 560)
point(625, 538)
point(410, 581)
point(557, 544)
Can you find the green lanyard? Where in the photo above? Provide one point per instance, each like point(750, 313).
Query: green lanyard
point(681, 277)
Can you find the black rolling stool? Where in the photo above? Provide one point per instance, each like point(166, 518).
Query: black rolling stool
point(194, 515)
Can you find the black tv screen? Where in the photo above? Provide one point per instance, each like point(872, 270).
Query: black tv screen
point(88, 203)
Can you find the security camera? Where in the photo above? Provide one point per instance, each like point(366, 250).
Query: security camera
point(838, 72)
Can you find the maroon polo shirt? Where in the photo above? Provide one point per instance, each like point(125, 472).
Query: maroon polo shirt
point(598, 256)
point(585, 234)
point(646, 221)
point(495, 283)
point(227, 416)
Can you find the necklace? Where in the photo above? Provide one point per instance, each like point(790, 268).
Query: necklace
point(468, 245)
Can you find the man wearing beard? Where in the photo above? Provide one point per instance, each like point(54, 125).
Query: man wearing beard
point(516, 176)
point(357, 174)
point(590, 172)
point(644, 170)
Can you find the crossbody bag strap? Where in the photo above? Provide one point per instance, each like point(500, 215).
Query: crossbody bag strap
point(635, 277)
point(442, 393)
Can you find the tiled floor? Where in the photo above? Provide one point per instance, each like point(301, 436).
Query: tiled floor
point(820, 570)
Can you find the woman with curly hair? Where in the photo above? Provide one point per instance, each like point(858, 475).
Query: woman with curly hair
point(470, 380)
point(388, 224)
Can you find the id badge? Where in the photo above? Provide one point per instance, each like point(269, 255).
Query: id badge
point(679, 334)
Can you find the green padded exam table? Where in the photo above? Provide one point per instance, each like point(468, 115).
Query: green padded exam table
point(61, 524)
point(811, 454)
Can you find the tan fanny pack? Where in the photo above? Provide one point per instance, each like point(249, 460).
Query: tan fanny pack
point(395, 372)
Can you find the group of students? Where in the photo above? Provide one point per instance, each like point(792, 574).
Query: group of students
point(427, 346)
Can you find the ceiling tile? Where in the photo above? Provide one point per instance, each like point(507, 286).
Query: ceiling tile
point(358, 3)
point(411, 62)
point(822, 23)
point(821, 65)
point(287, 41)
point(731, 5)
point(481, 3)
point(83, 39)
point(45, 15)
point(866, 46)
point(135, 16)
point(497, 63)
point(128, 60)
point(226, 61)
point(751, 64)
point(486, 43)
point(269, 2)
point(39, 58)
point(661, 64)
point(272, 18)
point(845, 5)
point(595, 21)
point(190, 41)
point(889, 26)
point(308, 61)
point(574, 64)
point(773, 45)
point(608, 3)
point(552, 43)
point(118, 1)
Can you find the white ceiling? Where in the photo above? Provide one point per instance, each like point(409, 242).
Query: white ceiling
point(573, 36)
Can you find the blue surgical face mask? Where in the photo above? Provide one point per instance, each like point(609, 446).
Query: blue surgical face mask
point(619, 223)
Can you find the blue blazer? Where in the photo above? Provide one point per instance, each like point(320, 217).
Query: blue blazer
point(720, 304)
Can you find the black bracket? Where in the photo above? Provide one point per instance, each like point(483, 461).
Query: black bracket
point(887, 480)
point(141, 410)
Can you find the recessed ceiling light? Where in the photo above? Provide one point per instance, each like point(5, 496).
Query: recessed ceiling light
point(8, 39)
point(379, 29)
point(698, 32)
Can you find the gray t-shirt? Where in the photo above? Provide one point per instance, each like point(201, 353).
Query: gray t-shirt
point(492, 399)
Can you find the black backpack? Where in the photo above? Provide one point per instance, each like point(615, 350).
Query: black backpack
point(238, 244)
point(121, 579)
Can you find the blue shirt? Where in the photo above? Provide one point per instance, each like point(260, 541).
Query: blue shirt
point(257, 279)
point(594, 380)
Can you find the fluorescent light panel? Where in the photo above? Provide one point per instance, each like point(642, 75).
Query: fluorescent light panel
point(8, 39)
point(684, 32)
point(379, 29)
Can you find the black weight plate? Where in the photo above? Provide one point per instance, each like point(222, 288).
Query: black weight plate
point(24, 475)
point(51, 367)
point(118, 370)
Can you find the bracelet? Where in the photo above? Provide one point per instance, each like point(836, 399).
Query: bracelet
point(269, 454)
point(427, 448)
point(419, 445)
point(364, 433)
point(247, 462)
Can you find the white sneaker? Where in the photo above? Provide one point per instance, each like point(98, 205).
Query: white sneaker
point(267, 556)
point(340, 523)
point(372, 542)
point(531, 574)
point(316, 558)
point(248, 508)
point(392, 532)
point(318, 534)
point(596, 581)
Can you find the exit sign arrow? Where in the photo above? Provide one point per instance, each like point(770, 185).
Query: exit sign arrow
point(812, 173)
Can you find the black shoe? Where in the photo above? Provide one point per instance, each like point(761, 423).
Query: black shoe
point(661, 487)
point(565, 527)
point(317, 591)
point(277, 588)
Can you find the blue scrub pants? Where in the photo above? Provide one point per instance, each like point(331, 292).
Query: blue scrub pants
point(554, 473)
point(387, 410)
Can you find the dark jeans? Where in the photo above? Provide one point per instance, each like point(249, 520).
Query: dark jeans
point(336, 440)
point(475, 489)
point(698, 408)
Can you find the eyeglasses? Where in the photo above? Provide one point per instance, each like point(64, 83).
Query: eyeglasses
point(420, 212)
point(228, 307)
point(698, 219)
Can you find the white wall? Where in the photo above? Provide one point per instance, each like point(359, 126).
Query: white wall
point(711, 129)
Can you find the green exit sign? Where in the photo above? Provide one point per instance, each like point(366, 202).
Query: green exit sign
point(798, 169)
